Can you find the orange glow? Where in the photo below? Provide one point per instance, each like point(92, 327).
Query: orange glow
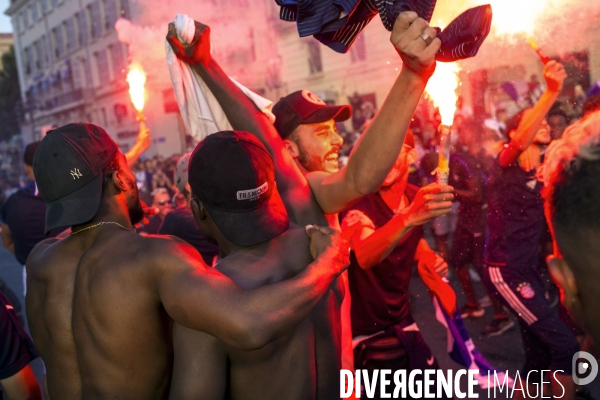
point(136, 78)
point(510, 16)
point(442, 87)
point(517, 16)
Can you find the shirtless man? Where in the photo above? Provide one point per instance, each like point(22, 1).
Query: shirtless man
point(286, 367)
point(102, 301)
point(366, 170)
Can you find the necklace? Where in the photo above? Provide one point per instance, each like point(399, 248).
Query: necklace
point(100, 224)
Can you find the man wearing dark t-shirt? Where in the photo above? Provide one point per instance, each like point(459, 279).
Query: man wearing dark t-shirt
point(16, 352)
point(23, 216)
point(181, 223)
point(385, 233)
point(515, 223)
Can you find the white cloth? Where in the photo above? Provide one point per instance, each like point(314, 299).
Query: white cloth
point(199, 108)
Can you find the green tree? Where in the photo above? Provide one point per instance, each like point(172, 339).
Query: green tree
point(10, 96)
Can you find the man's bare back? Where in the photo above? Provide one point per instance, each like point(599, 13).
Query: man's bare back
point(291, 367)
point(103, 331)
point(101, 302)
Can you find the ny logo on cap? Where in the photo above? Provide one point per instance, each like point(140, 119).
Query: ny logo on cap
point(76, 174)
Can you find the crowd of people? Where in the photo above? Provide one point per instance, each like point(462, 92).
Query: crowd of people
point(274, 255)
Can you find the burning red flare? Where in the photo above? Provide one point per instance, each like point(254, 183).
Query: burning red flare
point(136, 78)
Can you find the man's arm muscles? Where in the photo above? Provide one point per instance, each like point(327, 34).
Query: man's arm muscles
point(7, 239)
point(378, 148)
point(203, 299)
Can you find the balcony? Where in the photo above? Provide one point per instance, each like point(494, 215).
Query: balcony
point(62, 100)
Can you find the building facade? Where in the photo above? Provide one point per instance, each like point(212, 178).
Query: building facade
point(72, 67)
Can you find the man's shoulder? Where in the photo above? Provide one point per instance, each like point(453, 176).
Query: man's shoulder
point(285, 256)
point(163, 245)
point(44, 254)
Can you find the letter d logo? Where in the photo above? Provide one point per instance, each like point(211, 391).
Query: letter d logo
point(581, 368)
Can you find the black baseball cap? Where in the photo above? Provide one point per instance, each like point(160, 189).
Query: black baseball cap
point(68, 168)
point(233, 175)
point(304, 107)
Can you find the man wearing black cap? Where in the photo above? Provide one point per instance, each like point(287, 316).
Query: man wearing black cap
point(246, 215)
point(22, 216)
point(102, 301)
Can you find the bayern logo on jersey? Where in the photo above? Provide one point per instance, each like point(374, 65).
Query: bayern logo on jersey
point(526, 290)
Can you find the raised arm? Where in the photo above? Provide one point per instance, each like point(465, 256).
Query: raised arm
point(203, 299)
point(244, 116)
point(555, 75)
point(142, 143)
point(380, 145)
point(378, 148)
point(371, 246)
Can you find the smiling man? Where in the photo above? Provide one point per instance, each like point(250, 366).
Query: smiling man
point(307, 173)
point(308, 128)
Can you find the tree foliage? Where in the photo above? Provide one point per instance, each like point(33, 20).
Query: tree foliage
point(10, 96)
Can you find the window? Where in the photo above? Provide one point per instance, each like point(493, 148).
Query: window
point(59, 46)
point(44, 6)
point(69, 28)
point(27, 60)
point(34, 11)
point(82, 27)
point(314, 57)
point(37, 51)
point(124, 11)
point(76, 71)
point(110, 14)
point(102, 66)
point(95, 19)
point(358, 51)
point(25, 19)
point(42, 51)
point(48, 49)
point(54, 3)
point(118, 59)
point(16, 24)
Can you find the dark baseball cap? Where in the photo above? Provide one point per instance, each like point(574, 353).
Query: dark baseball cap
point(68, 168)
point(30, 152)
point(233, 175)
point(304, 107)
